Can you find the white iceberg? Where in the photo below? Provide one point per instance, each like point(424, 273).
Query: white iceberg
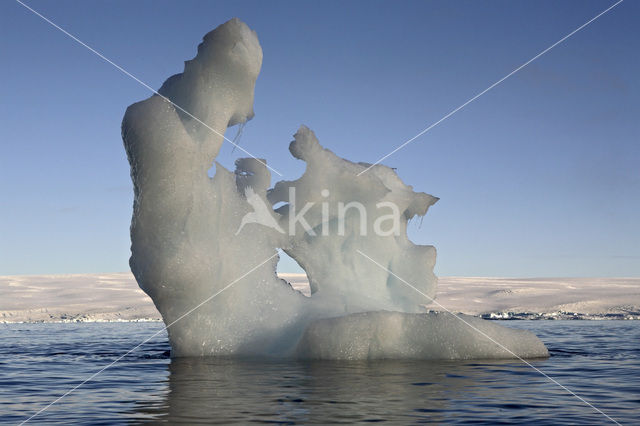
point(205, 249)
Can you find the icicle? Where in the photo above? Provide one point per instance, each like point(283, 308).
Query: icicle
point(238, 135)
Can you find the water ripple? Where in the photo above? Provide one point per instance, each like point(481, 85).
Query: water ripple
point(600, 361)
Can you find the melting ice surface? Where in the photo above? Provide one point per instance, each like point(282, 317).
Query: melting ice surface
point(194, 237)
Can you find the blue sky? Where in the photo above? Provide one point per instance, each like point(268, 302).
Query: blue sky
point(539, 177)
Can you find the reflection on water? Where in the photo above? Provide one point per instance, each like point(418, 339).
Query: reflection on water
point(598, 360)
point(225, 391)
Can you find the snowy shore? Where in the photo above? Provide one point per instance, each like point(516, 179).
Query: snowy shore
point(117, 297)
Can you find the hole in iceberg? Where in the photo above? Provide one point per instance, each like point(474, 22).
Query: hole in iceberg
point(279, 204)
point(291, 271)
point(212, 170)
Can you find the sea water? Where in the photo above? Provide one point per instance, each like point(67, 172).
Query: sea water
point(597, 360)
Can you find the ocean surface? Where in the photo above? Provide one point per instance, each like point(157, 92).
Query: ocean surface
point(598, 360)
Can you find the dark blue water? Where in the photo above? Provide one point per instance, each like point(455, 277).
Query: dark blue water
point(598, 360)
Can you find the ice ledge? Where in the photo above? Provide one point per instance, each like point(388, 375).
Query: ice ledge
point(396, 335)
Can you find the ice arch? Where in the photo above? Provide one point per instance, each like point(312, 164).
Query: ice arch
point(205, 248)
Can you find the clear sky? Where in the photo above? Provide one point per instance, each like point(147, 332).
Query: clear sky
point(539, 177)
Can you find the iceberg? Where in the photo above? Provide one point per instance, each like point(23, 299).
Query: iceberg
point(205, 249)
point(396, 335)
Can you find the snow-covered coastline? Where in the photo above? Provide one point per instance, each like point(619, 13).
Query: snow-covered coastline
point(540, 298)
point(116, 297)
